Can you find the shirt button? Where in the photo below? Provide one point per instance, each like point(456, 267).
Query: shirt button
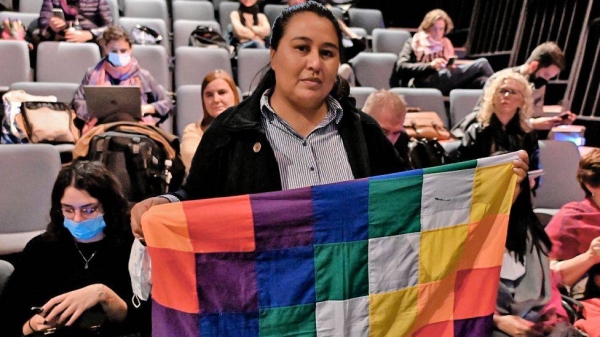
point(256, 147)
point(312, 168)
point(304, 143)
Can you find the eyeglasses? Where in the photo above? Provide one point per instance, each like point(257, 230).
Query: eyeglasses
point(509, 91)
point(86, 212)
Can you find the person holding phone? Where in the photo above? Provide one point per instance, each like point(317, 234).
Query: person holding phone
point(79, 266)
point(73, 20)
point(428, 59)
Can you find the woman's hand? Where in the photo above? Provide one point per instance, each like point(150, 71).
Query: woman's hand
point(438, 63)
point(139, 209)
point(89, 125)
point(517, 326)
point(70, 306)
point(594, 250)
point(57, 24)
point(35, 324)
point(521, 166)
point(73, 35)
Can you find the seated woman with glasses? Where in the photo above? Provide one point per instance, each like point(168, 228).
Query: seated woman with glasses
point(78, 269)
point(528, 300)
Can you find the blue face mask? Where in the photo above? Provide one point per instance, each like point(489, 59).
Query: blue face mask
point(86, 229)
point(119, 60)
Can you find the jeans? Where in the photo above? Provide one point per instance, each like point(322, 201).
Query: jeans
point(465, 76)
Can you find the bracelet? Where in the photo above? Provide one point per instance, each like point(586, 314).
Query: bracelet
point(170, 197)
point(30, 327)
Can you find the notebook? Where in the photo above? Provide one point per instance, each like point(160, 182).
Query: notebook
point(103, 101)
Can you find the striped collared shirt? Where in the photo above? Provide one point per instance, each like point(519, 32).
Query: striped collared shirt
point(318, 159)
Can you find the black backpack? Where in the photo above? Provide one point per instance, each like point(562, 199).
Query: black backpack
point(142, 165)
point(204, 36)
point(423, 153)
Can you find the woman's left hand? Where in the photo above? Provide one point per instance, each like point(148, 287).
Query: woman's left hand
point(70, 306)
point(72, 35)
point(521, 166)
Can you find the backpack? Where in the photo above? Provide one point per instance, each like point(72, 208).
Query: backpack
point(144, 158)
point(207, 37)
point(423, 153)
point(145, 35)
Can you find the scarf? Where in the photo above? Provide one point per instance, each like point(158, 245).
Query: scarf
point(127, 75)
point(71, 10)
point(250, 10)
point(426, 49)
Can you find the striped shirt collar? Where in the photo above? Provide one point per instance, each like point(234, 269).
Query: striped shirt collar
point(334, 109)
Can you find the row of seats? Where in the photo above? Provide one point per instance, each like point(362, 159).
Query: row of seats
point(23, 214)
point(365, 19)
point(372, 68)
point(188, 107)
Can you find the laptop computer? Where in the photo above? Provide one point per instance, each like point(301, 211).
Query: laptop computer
point(103, 101)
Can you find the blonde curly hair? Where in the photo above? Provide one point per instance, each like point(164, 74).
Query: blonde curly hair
point(487, 108)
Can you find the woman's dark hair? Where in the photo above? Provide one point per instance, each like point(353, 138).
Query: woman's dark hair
point(589, 171)
point(93, 178)
point(278, 30)
point(522, 220)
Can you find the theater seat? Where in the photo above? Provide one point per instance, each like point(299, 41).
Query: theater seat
point(29, 172)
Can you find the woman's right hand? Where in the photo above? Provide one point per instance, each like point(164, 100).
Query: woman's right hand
point(139, 209)
point(516, 326)
point(57, 24)
point(438, 63)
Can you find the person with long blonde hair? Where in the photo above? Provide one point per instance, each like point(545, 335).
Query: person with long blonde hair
point(528, 300)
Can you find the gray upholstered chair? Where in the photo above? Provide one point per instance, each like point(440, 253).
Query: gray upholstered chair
point(26, 18)
point(14, 63)
point(369, 19)
point(225, 8)
point(183, 28)
point(374, 69)
point(194, 63)
point(361, 94)
point(426, 99)
point(64, 92)
point(29, 174)
point(155, 59)
point(193, 10)
point(30, 6)
point(188, 105)
point(158, 25)
point(250, 64)
point(462, 102)
point(6, 269)
point(558, 184)
point(155, 9)
point(64, 61)
point(387, 40)
point(272, 11)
